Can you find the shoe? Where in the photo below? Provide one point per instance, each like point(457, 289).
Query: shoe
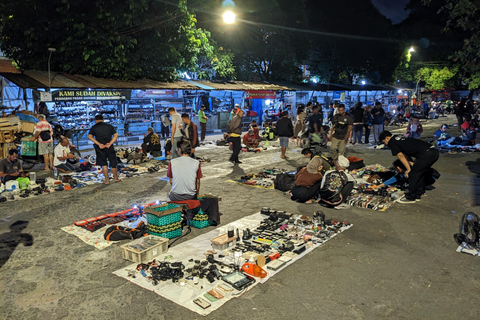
point(238, 162)
point(342, 206)
point(404, 200)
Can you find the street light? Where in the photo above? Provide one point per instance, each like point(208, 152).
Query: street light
point(229, 17)
point(412, 49)
point(51, 50)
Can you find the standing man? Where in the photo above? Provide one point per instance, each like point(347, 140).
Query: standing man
point(315, 121)
point(203, 122)
point(285, 132)
point(378, 115)
point(357, 115)
point(234, 131)
point(44, 136)
point(367, 122)
point(103, 136)
point(190, 132)
point(176, 126)
point(425, 156)
point(165, 127)
point(341, 129)
point(11, 167)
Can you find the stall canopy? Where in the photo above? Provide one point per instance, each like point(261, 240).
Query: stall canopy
point(39, 79)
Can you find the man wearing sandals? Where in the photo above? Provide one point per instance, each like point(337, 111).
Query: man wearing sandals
point(103, 136)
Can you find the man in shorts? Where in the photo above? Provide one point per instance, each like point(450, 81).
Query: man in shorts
point(284, 132)
point(44, 136)
point(176, 126)
point(103, 136)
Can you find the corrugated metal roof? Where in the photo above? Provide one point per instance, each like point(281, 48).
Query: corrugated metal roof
point(39, 79)
point(6, 66)
point(238, 85)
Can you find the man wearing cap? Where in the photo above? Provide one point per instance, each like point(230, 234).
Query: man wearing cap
point(151, 143)
point(176, 126)
point(234, 131)
point(425, 156)
point(203, 122)
point(103, 136)
point(337, 185)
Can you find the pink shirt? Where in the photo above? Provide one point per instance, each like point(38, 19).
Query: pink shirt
point(43, 125)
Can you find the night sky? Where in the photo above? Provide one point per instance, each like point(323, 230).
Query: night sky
point(392, 9)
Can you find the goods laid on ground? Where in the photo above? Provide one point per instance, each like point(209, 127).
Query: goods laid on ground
point(264, 179)
point(204, 273)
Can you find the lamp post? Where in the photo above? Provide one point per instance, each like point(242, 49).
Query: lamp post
point(51, 50)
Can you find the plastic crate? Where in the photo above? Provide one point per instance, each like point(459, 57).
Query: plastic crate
point(164, 220)
point(200, 220)
point(200, 224)
point(168, 235)
point(163, 209)
point(152, 246)
point(168, 231)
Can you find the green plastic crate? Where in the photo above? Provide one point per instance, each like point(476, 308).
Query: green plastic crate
point(29, 148)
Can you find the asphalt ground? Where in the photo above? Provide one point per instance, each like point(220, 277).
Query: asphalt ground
point(398, 264)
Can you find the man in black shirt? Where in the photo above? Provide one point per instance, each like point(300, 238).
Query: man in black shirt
point(285, 132)
point(103, 136)
point(357, 115)
point(341, 129)
point(425, 156)
point(315, 124)
point(151, 143)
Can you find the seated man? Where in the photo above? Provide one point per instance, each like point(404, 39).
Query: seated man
point(308, 180)
point(442, 136)
point(256, 129)
point(61, 155)
point(468, 137)
point(185, 173)
point(250, 140)
point(10, 167)
point(337, 185)
point(151, 143)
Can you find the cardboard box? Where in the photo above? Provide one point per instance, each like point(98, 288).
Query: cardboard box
point(28, 126)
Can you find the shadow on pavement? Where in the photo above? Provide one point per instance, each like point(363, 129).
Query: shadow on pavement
point(474, 167)
point(10, 240)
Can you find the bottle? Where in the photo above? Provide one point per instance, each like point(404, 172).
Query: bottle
point(231, 233)
point(55, 173)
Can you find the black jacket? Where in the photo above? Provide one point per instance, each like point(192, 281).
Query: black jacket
point(284, 127)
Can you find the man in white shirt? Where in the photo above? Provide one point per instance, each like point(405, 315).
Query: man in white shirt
point(176, 126)
point(62, 153)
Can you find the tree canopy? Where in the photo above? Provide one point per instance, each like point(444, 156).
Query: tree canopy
point(118, 39)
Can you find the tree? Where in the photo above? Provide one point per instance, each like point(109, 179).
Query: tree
point(353, 40)
point(464, 16)
point(266, 41)
point(118, 39)
point(436, 78)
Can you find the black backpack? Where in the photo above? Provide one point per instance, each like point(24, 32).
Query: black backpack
point(116, 233)
point(284, 182)
point(469, 230)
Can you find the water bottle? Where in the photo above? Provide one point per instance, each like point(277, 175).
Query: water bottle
point(55, 173)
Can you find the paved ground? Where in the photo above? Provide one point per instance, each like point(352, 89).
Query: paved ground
point(400, 263)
